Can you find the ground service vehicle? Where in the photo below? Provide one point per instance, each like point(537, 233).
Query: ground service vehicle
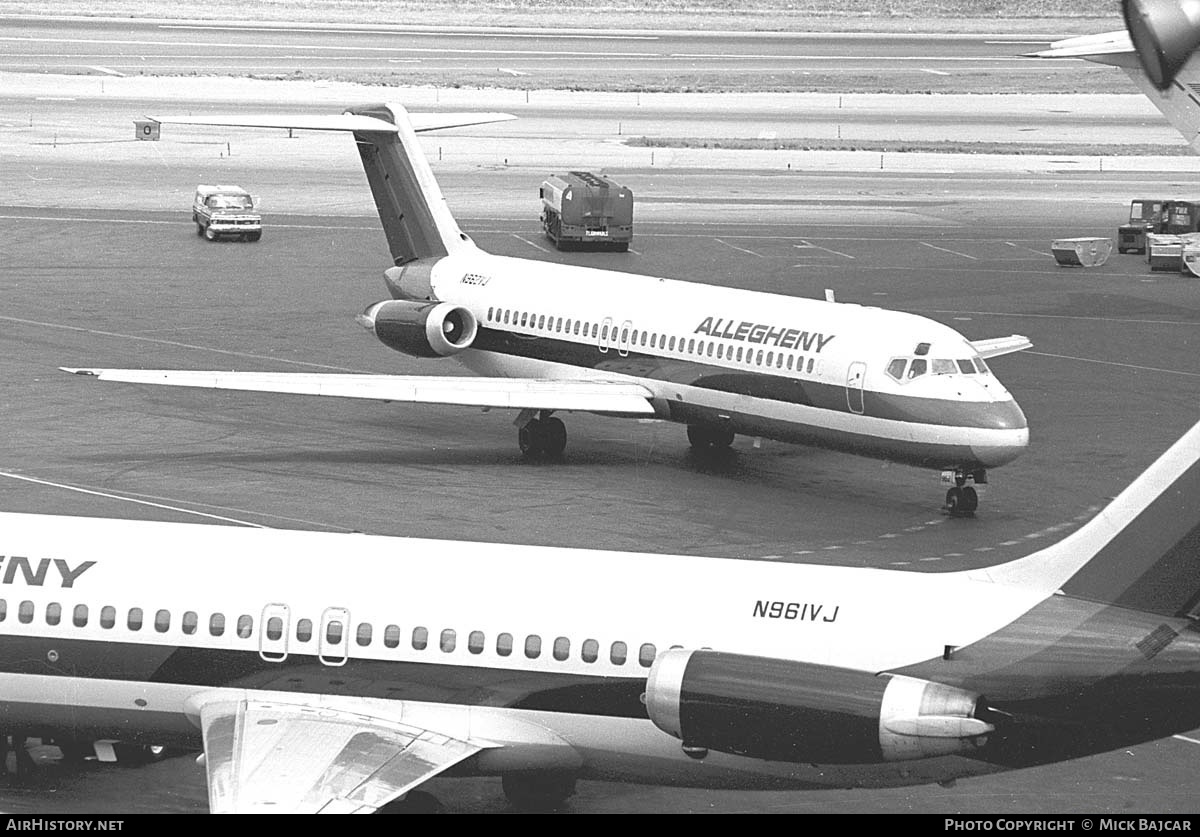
point(1145, 216)
point(1181, 217)
point(226, 211)
point(584, 209)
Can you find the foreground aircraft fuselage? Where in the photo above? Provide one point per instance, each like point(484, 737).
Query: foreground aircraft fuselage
point(548, 338)
point(338, 672)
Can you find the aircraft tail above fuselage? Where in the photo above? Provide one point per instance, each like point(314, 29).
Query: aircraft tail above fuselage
point(1179, 102)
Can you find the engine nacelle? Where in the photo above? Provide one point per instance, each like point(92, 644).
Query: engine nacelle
point(423, 329)
point(784, 710)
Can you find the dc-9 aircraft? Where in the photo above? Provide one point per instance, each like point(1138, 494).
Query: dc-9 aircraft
point(338, 672)
point(546, 338)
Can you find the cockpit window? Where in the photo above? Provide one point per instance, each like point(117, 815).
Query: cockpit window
point(980, 366)
point(943, 367)
point(917, 368)
point(965, 367)
point(895, 367)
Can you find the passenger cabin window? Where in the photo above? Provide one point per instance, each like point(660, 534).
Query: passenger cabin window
point(533, 646)
point(475, 642)
point(80, 619)
point(391, 636)
point(25, 612)
point(333, 632)
point(504, 644)
point(134, 622)
point(590, 651)
point(618, 654)
point(363, 634)
point(3, 609)
point(646, 655)
point(162, 621)
point(420, 639)
point(53, 613)
point(449, 640)
point(245, 626)
point(274, 629)
point(190, 622)
point(562, 648)
point(108, 616)
point(216, 624)
point(304, 630)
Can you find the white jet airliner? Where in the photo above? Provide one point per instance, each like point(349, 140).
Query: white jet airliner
point(329, 672)
point(547, 338)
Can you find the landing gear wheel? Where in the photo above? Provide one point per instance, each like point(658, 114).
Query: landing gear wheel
point(546, 437)
point(708, 438)
point(554, 437)
point(962, 501)
point(537, 791)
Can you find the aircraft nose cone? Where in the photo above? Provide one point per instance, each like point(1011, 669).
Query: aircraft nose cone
point(1009, 434)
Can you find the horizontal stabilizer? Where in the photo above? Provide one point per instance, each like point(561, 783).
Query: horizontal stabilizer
point(335, 122)
point(507, 393)
point(1088, 46)
point(1001, 345)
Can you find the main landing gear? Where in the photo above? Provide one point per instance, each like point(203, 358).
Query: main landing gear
point(708, 437)
point(962, 498)
point(543, 437)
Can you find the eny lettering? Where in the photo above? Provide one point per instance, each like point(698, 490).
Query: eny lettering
point(20, 570)
point(798, 611)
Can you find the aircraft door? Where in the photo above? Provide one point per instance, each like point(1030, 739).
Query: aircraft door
point(623, 344)
point(608, 334)
point(854, 386)
point(273, 638)
point(334, 639)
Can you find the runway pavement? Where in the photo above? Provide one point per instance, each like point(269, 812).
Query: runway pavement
point(100, 266)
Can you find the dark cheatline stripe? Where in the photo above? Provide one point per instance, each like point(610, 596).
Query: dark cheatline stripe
point(756, 383)
point(548, 691)
point(1153, 564)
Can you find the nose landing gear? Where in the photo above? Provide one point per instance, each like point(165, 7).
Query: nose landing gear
point(962, 498)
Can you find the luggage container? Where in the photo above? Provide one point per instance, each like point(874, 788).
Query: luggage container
point(1190, 256)
point(1164, 252)
point(1081, 252)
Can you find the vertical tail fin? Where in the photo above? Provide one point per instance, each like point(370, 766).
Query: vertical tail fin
point(1180, 102)
point(412, 209)
point(1141, 551)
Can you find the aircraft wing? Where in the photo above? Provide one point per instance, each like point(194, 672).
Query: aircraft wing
point(338, 756)
point(1001, 345)
point(514, 393)
point(335, 122)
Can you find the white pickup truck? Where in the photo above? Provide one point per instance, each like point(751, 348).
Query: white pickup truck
point(226, 211)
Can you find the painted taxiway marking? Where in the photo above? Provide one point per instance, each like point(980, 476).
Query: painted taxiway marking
point(1115, 363)
point(1030, 249)
point(944, 250)
point(1185, 738)
point(176, 343)
point(530, 243)
point(111, 496)
point(739, 249)
point(808, 245)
